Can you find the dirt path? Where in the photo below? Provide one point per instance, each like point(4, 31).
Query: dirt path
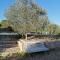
point(51, 55)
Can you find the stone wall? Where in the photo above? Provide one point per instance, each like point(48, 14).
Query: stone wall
point(8, 41)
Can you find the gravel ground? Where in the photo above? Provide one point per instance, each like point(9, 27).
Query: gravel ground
point(50, 55)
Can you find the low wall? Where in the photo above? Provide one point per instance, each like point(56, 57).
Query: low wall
point(8, 40)
point(47, 36)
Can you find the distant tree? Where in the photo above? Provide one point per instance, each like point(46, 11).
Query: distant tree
point(58, 30)
point(5, 23)
point(0, 25)
point(52, 28)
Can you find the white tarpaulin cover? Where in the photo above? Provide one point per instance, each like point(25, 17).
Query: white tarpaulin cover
point(37, 47)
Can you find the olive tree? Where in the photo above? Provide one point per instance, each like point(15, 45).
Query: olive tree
point(26, 16)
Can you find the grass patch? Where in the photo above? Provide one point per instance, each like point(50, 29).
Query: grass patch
point(14, 56)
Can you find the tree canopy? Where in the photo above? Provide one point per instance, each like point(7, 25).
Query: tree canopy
point(26, 16)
